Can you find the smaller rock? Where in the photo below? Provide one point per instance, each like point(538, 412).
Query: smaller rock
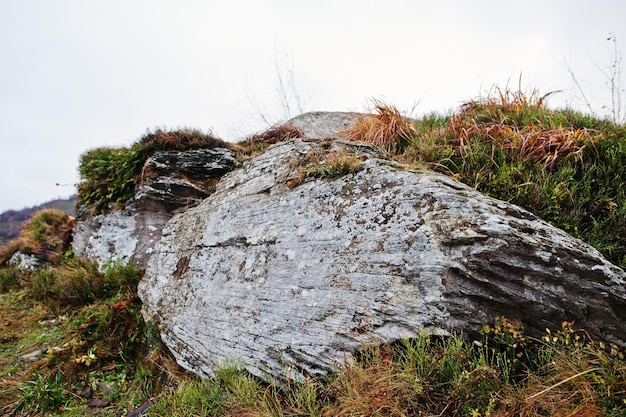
point(97, 402)
point(194, 164)
point(25, 262)
point(33, 356)
point(87, 392)
point(141, 409)
point(49, 320)
point(105, 389)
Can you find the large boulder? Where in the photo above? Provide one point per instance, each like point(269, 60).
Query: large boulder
point(172, 181)
point(289, 275)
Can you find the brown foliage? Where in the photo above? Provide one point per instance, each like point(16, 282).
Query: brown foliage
point(386, 128)
point(274, 134)
point(501, 120)
point(180, 140)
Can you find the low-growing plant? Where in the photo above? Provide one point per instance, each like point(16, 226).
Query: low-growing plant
point(10, 278)
point(334, 166)
point(44, 394)
point(325, 164)
point(191, 398)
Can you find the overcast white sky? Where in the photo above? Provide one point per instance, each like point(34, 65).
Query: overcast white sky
point(80, 74)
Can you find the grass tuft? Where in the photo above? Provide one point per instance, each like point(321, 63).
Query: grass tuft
point(326, 165)
point(178, 140)
point(387, 128)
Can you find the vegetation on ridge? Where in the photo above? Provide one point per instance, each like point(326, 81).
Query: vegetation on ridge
point(109, 175)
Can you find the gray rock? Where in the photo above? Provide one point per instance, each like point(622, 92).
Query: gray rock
point(291, 281)
point(323, 125)
point(33, 356)
point(25, 262)
point(106, 238)
point(194, 164)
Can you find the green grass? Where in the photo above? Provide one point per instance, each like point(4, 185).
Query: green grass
point(89, 328)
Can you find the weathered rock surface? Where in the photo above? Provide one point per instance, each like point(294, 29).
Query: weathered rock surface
point(175, 181)
point(323, 125)
point(289, 281)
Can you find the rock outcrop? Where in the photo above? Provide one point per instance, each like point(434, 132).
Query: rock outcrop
point(173, 181)
point(291, 277)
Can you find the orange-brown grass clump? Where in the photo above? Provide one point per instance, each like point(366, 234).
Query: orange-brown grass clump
point(386, 128)
point(276, 134)
point(517, 122)
point(374, 386)
point(47, 235)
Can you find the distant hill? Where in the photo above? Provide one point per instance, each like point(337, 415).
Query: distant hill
point(12, 220)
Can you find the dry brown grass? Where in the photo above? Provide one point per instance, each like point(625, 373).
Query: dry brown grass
point(257, 144)
point(181, 139)
point(276, 134)
point(517, 100)
point(566, 389)
point(387, 128)
point(374, 388)
point(512, 120)
point(530, 143)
